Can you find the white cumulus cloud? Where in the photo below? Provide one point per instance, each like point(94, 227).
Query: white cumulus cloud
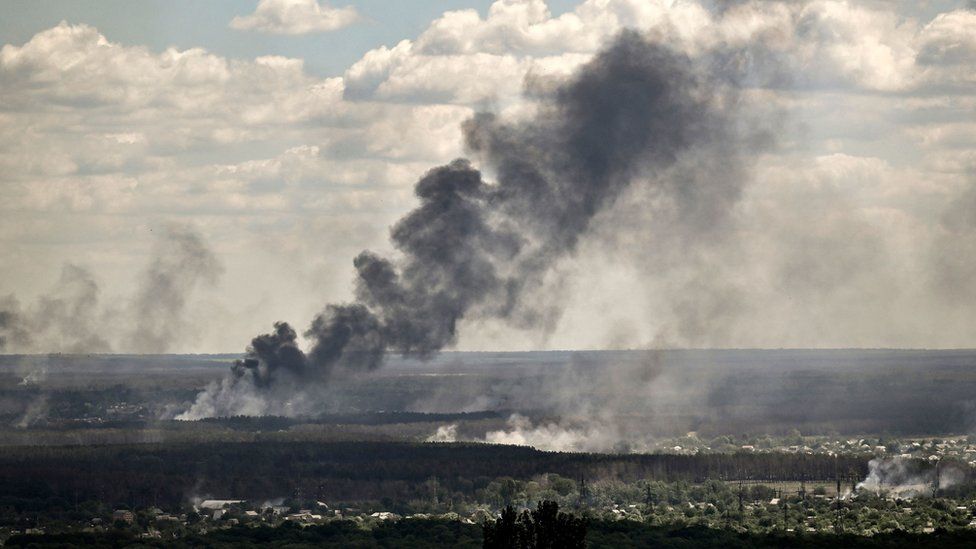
point(296, 17)
point(101, 140)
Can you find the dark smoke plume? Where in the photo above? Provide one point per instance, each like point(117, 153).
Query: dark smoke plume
point(475, 248)
point(271, 352)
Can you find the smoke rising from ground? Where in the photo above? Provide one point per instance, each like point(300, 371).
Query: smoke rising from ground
point(602, 405)
point(556, 436)
point(638, 113)
point(75, 316)
point(35, 411)
point(67, 319)
point(579, 434)
point(906, 478)
point(181, 261)
point(547, 435)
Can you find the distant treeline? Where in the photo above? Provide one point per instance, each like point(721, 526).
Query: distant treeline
point(252, 423)
point(168, 475)
point(262, 423)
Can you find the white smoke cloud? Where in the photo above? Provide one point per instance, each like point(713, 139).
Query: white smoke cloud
point(520, 431)
point(445, 433)
point(565, 435)
point(906, 478)
point(238, 396)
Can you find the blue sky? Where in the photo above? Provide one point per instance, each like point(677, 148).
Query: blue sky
point(160, 24)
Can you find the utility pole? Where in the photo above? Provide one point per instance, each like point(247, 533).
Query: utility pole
point(741, 495)
point(582, 492)
point(648, 502)
point(838, 524)
point(803, 502)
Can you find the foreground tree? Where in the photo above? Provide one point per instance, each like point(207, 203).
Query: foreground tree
point(543, 528)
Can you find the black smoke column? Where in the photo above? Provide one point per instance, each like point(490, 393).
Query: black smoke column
point(477, 248)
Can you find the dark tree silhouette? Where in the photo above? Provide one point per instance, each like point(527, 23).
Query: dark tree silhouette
point(544, 528)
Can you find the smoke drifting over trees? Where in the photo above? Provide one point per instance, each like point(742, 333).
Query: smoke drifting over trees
point(74, 317)
point(638, 113)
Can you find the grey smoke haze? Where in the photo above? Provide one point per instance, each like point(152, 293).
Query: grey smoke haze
point(906, 478)
point(798, 262)
point(35, 411)
point(621, 405)
point(181, 261)
point(65, 320)
point(75, 316)
point(12, 330)
point(952, 252)
point(476, 248)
